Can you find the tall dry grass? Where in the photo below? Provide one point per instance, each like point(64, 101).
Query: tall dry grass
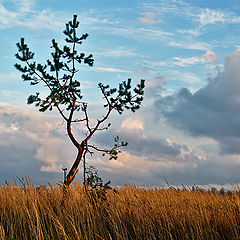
point(127, 213)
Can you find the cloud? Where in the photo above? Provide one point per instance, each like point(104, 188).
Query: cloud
point(103, 69)
point(190, 45)
point(212, 16)
point(191, 32)
point(187, 77)
point(24, 5)
point(186, 61)
point(135, 123)
point(212, 111)
point(147, 162)
point(38, 137)
point(139, 144)
point(9, 77)
point(208, 57)
point(155, 82)
point(7, 17)
point(117, 52)
point(154, 86)
point(140, 33)
point(149, 18)
point(44, 19)
point(25, 16)
point(33, 144)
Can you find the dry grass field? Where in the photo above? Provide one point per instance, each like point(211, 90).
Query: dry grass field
point(128, 212)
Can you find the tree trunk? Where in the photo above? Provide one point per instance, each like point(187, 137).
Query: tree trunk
point(68, 178)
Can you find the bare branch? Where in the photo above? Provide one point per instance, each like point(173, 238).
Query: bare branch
point(108, 151)
point(78, 120)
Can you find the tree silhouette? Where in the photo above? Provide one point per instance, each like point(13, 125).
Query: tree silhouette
point(58, 75)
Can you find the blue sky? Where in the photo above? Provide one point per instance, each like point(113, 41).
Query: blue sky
point(187, 51)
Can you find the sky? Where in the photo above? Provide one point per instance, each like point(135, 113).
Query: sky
point(188, 128)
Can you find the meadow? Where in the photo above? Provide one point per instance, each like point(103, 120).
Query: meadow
point(129, 212)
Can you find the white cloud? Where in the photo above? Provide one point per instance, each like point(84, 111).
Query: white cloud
point(117, 52)
point(132, 123)
point(211, 16)
point(44, 19)
point(210, 57)
point(190, 45)
point(191, 32)
point(104, 69)
point(149, 18)
point(155, 82)
point(9, 77)
point(186, 61)
point(24, 5)
point(32, 130)
point(208, 16)
point(140, 33)
point(188, 77)
point(7, 17)
point(24, 14)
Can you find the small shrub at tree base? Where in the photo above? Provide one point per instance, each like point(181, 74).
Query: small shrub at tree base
point(95, 187)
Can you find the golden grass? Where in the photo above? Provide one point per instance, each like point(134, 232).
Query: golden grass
point(128, 213)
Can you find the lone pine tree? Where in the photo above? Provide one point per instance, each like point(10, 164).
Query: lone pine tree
point(58, 75)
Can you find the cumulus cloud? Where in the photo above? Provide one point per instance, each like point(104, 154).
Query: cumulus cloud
point(132, 123)
point(34, 145)
point(210, 57)
point(28, 138)
point(140, 144)
point(154, 86)
point(212, 111)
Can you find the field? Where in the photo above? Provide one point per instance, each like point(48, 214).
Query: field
point(128, 212)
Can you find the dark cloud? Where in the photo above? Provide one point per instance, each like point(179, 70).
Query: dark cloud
point(140, 145)
point(154, 86)
point(32, 145)
point(18, 162)
point(212, 111)
point(212, 170)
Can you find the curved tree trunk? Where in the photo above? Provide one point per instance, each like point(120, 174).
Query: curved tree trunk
point(68, 178)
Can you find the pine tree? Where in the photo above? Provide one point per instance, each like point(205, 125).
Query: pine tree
point(58, 75)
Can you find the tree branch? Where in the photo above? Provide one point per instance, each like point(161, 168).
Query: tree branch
point(60, 111)
point(69, 130)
